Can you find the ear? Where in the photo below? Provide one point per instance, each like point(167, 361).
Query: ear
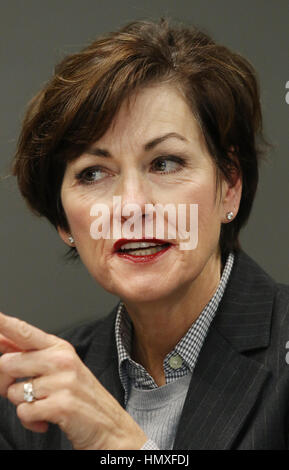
point(231, 195)
point(64, 235)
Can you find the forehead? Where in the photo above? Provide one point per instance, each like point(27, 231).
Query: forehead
point(149, 112)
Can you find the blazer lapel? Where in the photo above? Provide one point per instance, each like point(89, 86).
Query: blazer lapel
point(226, 385)
point(111, 381)
point(100, 356)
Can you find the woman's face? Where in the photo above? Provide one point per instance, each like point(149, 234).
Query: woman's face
point(176, 170)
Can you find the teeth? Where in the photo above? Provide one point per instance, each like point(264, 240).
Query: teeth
point(147, 251)
point(136, 245)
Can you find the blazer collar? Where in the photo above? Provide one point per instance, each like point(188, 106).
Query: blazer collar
point(225, 384)
point(245, 311)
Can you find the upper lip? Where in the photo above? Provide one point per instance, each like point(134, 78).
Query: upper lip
point(118, 244)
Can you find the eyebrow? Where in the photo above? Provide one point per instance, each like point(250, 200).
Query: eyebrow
point(100, 152)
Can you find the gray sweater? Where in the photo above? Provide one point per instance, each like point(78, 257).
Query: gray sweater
point(158, 410)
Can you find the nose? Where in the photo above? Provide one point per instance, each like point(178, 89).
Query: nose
point(135, 193)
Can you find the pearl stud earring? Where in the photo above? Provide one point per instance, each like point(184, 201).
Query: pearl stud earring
point(230, 215)
point(71, 239)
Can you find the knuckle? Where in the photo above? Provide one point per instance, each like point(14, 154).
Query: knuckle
point(67, 345)
point(64, 359)
point(71, 380)
point(24, 329)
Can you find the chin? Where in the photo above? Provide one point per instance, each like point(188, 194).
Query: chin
point(144, 292)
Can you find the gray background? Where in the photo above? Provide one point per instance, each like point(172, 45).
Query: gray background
point(36, 284)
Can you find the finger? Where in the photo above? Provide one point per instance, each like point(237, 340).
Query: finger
point(43, 387)
point(25, 336)
point(36, 426)
point(15, 392)
point(36, 363)
point(6, 345)
point(21, 364)
point(52, 409)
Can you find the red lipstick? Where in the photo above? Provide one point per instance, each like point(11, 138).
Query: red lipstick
point(140, 258)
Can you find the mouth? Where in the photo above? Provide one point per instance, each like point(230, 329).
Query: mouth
point(141, 251)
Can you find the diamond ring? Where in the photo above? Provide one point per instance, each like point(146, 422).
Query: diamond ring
point(28, 392)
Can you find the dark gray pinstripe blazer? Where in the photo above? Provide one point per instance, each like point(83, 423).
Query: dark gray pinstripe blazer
point(239, 393)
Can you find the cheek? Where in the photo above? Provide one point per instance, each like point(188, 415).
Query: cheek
point(203, 194)
point(77, 208)
point(78, 205)
point(78, 216)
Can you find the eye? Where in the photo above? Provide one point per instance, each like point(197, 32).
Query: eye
point(167, 164)
point(91, 175)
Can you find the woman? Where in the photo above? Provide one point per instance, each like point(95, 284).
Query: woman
point(193, 356)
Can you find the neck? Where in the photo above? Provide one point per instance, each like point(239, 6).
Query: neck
point(159, 325)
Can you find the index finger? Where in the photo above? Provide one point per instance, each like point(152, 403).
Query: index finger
point(6, 345)
point(24, 335)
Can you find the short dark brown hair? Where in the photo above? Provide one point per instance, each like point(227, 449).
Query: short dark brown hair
point(77, 105)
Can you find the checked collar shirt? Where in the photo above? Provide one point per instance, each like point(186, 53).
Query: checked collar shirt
point(178, 362)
